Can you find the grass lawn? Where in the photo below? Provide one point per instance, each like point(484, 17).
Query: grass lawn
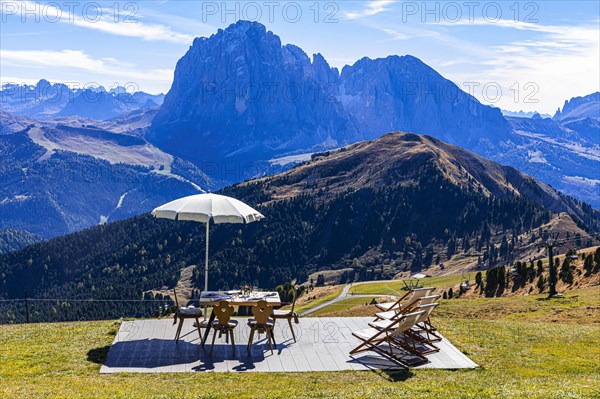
point(345, 304)
point(395, 287)
point(304, 307)
point(527, 348)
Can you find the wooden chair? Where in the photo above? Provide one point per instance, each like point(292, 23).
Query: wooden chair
point(261, 323)
point(224, 325)
point(287, 315)
point(386, 336)
point(182, 313)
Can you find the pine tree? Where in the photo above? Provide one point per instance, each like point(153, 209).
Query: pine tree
point(588, 265)
point(565, 270)
point(491, 282)
point(344, 277)
point(478, 280)
point(501, 280)
point(541, 283)
point(320, 280)
point(531, 272)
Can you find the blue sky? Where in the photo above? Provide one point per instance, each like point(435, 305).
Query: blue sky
point(517, 55)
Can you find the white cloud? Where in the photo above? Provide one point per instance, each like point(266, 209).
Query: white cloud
point(56, 59)
point(372, 8)
point(123, 26)
point(561, 61)
point(395, 34)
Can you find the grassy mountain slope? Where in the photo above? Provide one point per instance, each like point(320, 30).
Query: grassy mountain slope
point(60, 177)
point(13, 239)
point(402, 202)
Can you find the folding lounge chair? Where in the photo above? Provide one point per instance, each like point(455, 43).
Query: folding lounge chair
point(387, 336)
point(406, 300)
point(392, 314)
point(424, 325)
point(416, 332)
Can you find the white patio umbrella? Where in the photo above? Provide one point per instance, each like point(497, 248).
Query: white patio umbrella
point(204, 208)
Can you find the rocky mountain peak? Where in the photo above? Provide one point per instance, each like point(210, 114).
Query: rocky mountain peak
point(576, 107)
point(42, 85)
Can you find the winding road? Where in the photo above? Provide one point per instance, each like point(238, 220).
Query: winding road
point(344, 295)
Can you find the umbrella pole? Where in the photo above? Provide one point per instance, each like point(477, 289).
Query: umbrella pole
point(206, 265)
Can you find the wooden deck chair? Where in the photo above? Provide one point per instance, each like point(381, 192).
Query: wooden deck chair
point(407, 339)
point(262, 323)
point(406, 300)
point(423, 336)
point(384, 335)
point(392, 314)
point(429, 299)
point(424, 324)
point(224, 324)
point(287, 315)
point(182, 313)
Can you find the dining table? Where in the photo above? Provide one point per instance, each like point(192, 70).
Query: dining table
point(235, 298)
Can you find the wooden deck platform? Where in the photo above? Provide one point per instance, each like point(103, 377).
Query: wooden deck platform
point(324, 343)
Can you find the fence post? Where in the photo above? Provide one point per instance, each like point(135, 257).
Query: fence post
point(26, 308)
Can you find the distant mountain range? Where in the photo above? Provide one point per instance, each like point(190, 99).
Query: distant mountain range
point(563, 151)
point(56, 179)
point(580, 108)
point(401, 202)
point(242, 105)
point(240, 97)
point(45, 100)
point(523, 114)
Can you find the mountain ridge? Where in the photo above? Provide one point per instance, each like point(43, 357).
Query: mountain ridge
point(45, 101)
point(427, 204)
point(459, 165)
point(578, 107)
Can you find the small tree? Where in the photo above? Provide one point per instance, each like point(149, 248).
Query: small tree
point(320, 280)
point(531, 272)
point(344, 277)
point(450, 293)
point(541, 283)
point(491, 282)
point(502, 277)
point(478, 280)
point(565, 270)
point(588, 265)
